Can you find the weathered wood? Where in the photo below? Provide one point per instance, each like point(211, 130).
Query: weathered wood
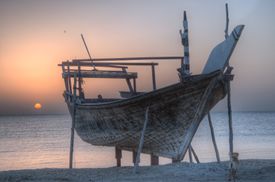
point(134, 58)
point(134, 156)
point(154, 78)
point(141, 139)
point(135, 85)
point(229, 119)
point(79, 80)
point(126, 94)
point(113, 63)
point(88, 51)
point(154, 160)
point(73, 126)
point(87, 64)
point(197, 118)
point(103, 74)
point(185, 69)
point(128, 81)
point(220, 55)
point(227, 22)
point(65, 82)
point(118, 152)
point(69, 80)
point(168, 128)
point(190, 155)
point(194, 154)
point(174, 160)
point(213, 137)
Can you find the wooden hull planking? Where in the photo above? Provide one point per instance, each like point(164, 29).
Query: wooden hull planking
point(171, 113)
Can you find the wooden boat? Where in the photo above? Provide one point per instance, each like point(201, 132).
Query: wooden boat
point(174, 112)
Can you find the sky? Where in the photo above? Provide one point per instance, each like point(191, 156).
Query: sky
point(36, 35)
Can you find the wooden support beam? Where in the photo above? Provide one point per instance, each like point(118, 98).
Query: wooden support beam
point(194, 154)
point(154, 160)
point(154, 78)
point(141, 140)
point(65, 82)
point(190, 155)
point(128, 82)
point(69, 79)
point(230, 120)
point(73, 126)
point(134, 156)
point(213, 138)
point(175, 160)
point(79, 80)
point(118, 152)
point(196, 119)
point(135, 85)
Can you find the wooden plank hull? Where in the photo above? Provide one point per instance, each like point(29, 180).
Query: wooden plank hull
point(172, 109)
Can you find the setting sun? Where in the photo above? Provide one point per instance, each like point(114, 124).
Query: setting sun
point(37, 106)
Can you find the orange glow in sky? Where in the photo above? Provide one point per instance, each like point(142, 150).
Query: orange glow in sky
point(37, 35)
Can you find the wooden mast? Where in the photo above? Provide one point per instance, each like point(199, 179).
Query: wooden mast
point(185, 65)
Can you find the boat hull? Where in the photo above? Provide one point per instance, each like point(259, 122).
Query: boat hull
point(171, 113)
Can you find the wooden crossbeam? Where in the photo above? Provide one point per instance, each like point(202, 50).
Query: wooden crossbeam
point(102, 74)
point(111, 65)
point(133, 58)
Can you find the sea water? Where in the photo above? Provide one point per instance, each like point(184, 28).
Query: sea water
point(43, 141)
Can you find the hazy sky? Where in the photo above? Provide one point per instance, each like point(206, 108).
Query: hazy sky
point(36, 35)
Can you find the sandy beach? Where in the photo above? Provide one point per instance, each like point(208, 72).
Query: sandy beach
point(249, 170)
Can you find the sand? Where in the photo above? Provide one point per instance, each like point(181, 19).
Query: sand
point(249, 170)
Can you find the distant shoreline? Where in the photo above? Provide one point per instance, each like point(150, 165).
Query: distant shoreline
point(249, 170)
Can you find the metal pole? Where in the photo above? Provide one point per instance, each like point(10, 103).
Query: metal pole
point(213, 138)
